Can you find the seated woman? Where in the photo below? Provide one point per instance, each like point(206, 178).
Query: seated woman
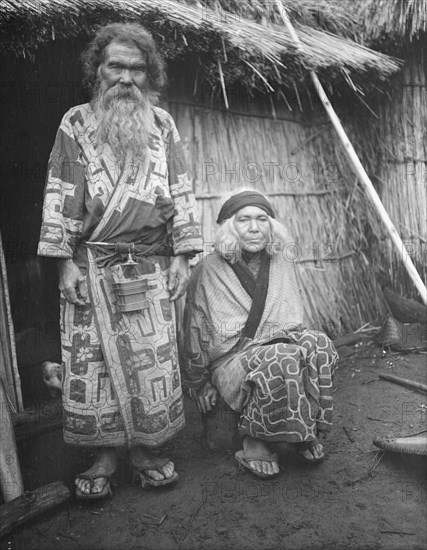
point(243, 338)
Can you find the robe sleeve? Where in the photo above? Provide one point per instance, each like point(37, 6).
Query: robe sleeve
point(63, 205)
point(195, 358)
point(184, 228)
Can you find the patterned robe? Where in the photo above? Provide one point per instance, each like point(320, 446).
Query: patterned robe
point(121, 383)
point(287, 369)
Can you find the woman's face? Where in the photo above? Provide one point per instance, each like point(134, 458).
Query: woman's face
point(253, 227)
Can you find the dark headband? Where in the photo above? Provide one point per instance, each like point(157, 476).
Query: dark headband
point(240, 200)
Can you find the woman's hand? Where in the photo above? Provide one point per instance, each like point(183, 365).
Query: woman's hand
point(72, 283)
point(247, 393)
point(207, 398)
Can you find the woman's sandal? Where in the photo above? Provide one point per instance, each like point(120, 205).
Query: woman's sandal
point(106, 490)
point(244, 459)
point(308, 446)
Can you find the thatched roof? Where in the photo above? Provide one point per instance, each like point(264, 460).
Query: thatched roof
point(372, 20)
point(244, 43)
point(316, 14)
point(391, 22)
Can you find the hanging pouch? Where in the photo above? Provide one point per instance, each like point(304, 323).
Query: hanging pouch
point(131, 295)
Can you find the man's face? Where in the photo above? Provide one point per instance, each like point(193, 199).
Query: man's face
point(125, 65)
point(253, 227)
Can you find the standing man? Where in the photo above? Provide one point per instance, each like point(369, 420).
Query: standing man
point(119, 207)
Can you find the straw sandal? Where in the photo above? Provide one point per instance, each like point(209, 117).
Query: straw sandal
point(243, 459)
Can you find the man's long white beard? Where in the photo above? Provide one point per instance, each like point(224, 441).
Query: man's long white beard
point(125, 119)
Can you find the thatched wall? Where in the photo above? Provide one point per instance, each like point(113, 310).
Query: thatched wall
point(402, 172)
point(397, 166)
point(297, 161)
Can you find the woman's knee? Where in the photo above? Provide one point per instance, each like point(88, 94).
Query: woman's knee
point(314, 340)
point(289, 359)
point(283, 349)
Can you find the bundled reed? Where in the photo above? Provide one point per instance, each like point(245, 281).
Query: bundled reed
point(388, 22)
point(401, 173)
point(327, 16)
point(400, 167)
point(247, 51)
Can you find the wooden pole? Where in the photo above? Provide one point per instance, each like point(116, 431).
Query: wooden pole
point(358, 167)
point(8, 363)
point(404, 382)
point(10, 471)
point(19, 510)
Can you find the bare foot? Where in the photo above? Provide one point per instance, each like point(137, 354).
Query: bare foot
point(256, 447)
point(144, 462)
point(311, 450)
point(104, 466)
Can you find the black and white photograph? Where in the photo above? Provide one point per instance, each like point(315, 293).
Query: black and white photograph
point(213, 264)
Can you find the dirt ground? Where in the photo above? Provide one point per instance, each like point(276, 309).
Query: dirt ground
point(359, 497)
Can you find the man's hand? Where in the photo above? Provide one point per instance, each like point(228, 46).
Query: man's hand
point(72, 283)
point(179, 275)
point(207, 398)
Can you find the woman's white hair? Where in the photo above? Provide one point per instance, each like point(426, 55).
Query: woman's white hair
point(227, 242)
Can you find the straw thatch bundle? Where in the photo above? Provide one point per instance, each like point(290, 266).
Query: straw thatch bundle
point(398, 134)
point(391, 23)
point(326, 16)
point(246, 51)
point(400, 171)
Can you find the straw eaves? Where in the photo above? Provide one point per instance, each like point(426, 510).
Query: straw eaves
point(390, 21)
point(248, 36)
point(312, 13)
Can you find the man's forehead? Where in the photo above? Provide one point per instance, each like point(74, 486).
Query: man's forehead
point(124, 51)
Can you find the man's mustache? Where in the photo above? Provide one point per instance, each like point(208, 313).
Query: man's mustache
point(122, 91)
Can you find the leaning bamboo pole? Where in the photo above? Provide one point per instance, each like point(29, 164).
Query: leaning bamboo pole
point(358, 167)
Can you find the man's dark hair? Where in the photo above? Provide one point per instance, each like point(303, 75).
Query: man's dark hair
point(125, 33)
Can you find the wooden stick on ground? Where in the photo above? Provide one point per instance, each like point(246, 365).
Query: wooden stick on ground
point(30, 504)
point(358, 167)
point(404, 382)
